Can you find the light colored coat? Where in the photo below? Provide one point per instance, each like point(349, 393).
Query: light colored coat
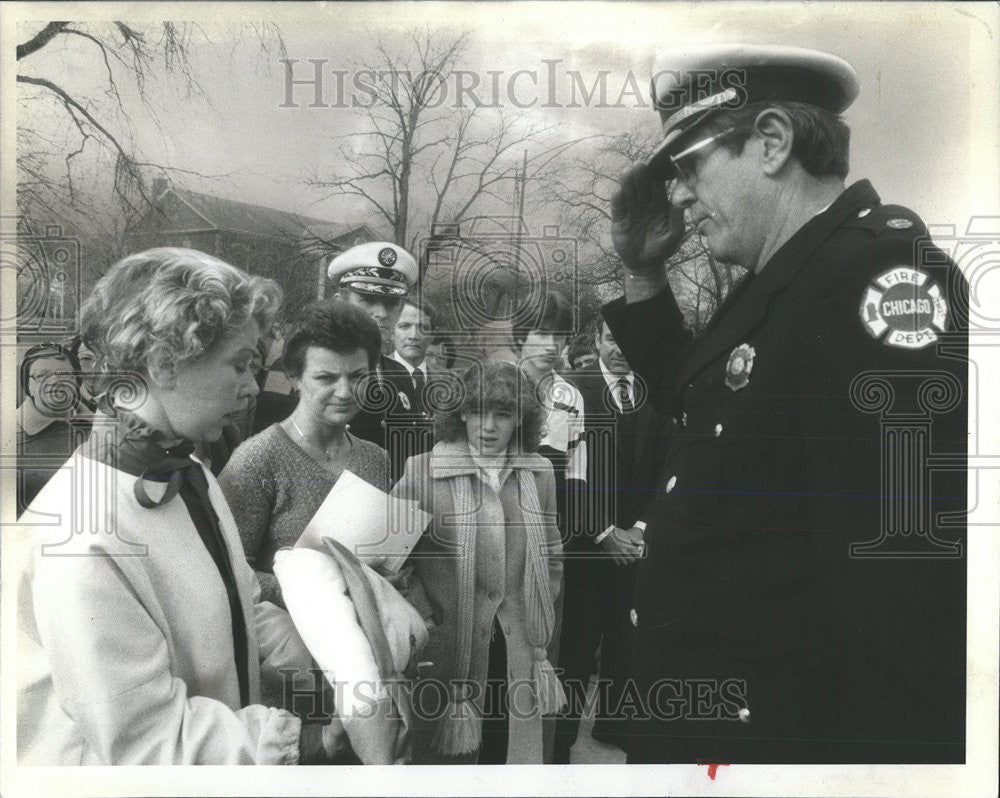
point(338, 625)
point(499, 584)
point(125, 645)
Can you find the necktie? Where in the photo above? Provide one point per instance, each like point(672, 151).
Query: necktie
point(419, 382)
point(624, 397)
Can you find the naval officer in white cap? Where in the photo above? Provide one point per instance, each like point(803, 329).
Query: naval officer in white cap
point(802, 598)
point(377, 277)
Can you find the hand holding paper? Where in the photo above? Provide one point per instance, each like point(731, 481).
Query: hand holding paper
point(377, 528)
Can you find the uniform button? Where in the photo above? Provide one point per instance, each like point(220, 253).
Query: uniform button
point(670, 483)
point(744, 714)
point(633, 616)
point(684, 419)
point(506, 630)
point(718, 430)
point(863, 213)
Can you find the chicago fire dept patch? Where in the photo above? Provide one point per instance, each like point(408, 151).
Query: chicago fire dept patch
point(903, 308)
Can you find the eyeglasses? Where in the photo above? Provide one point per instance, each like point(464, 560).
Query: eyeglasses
point(688, 173)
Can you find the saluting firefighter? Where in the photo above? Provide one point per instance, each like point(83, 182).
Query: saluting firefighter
point(377, 277)
point(802, 598)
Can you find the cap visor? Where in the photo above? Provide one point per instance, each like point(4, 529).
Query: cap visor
point(374, 289)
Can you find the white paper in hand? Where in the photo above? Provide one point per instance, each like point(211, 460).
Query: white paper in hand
point(377, 528)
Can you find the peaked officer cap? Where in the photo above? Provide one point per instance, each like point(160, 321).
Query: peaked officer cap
point(378, 268)
point(689, 82)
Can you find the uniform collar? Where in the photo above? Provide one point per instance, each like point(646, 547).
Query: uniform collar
point(808, 238)
point(749, 306)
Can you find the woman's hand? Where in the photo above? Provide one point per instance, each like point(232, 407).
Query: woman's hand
point(400, 579)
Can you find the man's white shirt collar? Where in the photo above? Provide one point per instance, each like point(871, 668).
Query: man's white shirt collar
point(612, 381)
point(399, 359)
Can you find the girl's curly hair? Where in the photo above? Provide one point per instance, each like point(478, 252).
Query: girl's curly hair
point(495, 385)
point(163, 307)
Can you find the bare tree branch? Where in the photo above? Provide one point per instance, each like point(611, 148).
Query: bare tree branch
point(75, 107)
point(128, 54)
point(40, 39)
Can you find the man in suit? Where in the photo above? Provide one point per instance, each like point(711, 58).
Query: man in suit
point(377, 277)
point(624, 437)
point(803, 593)
point(411, 337)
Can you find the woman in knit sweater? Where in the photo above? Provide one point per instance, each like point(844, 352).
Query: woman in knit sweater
point(277, 480)
point(488, 573)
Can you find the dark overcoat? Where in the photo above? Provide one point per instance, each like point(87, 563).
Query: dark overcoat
point(624, 451)
point(803, 598)
point(392, 416)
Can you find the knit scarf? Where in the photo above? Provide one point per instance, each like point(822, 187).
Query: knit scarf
point(460, 729)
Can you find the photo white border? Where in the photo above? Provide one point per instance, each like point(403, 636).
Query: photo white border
point(977, 777)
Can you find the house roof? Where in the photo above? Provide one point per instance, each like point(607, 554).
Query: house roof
point(227, 214)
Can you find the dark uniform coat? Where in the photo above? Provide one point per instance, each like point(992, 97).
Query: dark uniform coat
point(810, 421)
point(393, 416)
point(623, 456)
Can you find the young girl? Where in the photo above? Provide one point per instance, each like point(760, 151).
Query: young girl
point(488, 572)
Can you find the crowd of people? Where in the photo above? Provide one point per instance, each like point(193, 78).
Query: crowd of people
point(497, 454)
point(671, 513)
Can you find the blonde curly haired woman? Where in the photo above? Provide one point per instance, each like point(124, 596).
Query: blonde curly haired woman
point(141, 639)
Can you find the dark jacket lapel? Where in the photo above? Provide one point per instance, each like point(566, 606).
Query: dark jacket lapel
point(750, 307)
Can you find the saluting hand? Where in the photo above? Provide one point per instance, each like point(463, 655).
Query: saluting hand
point(645, 228)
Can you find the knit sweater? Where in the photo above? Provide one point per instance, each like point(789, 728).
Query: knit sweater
point(275, 488)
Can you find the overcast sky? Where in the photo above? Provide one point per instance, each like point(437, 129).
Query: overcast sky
point(924, 126)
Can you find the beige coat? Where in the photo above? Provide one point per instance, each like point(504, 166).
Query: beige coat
point(124, 637)
point(499, 585)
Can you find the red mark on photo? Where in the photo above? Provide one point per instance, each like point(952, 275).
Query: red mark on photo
point(712, 767)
